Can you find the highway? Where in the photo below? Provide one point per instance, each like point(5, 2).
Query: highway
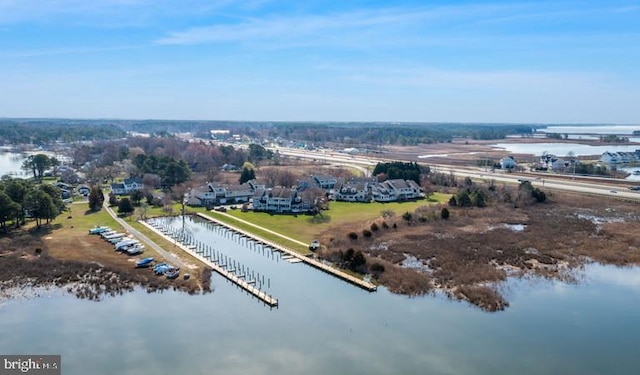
point(597, 187)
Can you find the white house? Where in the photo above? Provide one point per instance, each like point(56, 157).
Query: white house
point(620, 157)
point(352, 192)
point(213, 194)
point(278, 199)
point(508, 162)
point(404, 189)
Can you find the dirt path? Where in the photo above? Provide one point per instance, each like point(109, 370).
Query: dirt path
point(169, 256)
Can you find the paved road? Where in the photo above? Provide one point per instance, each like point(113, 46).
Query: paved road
point(598, 186)
point(264, 229)
point(140, 236)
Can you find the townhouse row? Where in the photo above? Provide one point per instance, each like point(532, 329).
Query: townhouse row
point(299, 199)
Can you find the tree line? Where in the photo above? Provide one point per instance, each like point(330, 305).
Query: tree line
point(42, 132)
point(21, 199)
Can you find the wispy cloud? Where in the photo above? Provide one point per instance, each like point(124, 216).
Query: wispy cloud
point(469, 25)
point(374, 21)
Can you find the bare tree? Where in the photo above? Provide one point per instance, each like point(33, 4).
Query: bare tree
point(286, 178)
point(179, 192)
point(270, 175)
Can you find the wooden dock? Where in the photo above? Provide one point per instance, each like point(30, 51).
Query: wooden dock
point(236, 279)
point(368, 286)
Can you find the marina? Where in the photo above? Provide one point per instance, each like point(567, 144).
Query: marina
point(292, 254)
point(221, 264)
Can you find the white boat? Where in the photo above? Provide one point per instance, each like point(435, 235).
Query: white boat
point(116, 240)
point(114, 236)
point(124, 244)
point(108, 235)
point(135, 249)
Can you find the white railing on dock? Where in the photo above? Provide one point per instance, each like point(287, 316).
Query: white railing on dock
point(228, 274)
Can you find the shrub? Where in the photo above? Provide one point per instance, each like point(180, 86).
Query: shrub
point(444, 213)
point(452, 201)
point(407, 216)
point(376, 269)
point(352, 235)
point(388, 213)
point(385, 225)
point(374, 227)
point(366, 233)
point(539, 195)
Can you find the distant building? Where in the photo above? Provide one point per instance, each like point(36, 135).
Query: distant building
point(508, 162)
point(620, 157)
point(127, 186)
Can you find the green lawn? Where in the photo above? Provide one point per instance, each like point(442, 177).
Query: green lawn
point(84, 218)
point(303, 228)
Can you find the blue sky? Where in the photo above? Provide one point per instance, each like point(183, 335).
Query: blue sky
point(416, 61)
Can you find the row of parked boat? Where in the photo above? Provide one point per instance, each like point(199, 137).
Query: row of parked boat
point(129, 245)
point(121, 242)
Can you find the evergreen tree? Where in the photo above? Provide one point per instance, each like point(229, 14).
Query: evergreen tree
point(96, 198)
point(247, 174)
point(8, 210)
point(125, 206)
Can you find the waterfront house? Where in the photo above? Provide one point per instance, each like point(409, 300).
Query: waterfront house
point(352, 191)
point(325, 181)
point(216, 194)
point(404, 189)
point(278, 199)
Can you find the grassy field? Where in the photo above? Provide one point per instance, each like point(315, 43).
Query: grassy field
point(304, 228)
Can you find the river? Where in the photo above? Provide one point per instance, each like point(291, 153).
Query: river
point(326, 326)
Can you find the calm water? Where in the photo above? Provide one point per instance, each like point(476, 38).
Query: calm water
point(10, 163)
point(325, 326)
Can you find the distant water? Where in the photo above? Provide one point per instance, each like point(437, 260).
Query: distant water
point(596, 129)
point(326, 326)
point(11, 163)
point(562, 149)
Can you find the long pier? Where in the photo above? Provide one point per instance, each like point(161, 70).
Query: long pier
point(228, 274)
point(368, 286)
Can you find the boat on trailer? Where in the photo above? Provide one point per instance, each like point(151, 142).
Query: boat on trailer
point(143, 263)
point(135, 250)
point(172, 273)
point(98, 230)
point(123, 245)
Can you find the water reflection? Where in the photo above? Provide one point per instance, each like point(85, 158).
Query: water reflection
point(326, 326)
point(11, 164)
